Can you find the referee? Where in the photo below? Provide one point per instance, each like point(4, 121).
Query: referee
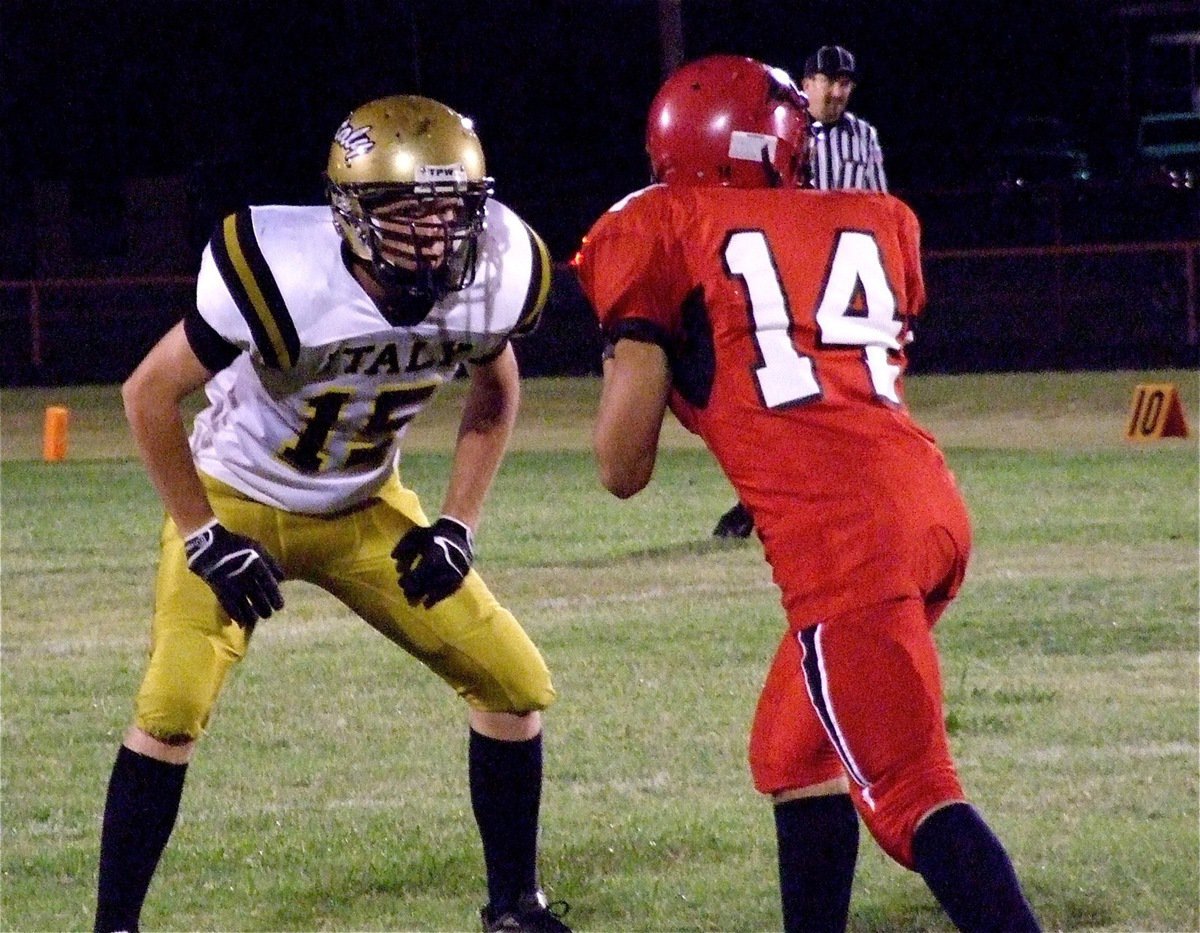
point(845, 148)
point(844, 153)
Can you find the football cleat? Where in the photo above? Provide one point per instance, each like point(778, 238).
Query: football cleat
point(736, 523)
point(533, 914)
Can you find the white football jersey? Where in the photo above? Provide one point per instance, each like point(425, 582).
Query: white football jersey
point(309, 416)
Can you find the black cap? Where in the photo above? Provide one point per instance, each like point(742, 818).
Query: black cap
point(831, 60)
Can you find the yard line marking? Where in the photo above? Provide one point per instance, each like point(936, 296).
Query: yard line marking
point(1056, 754)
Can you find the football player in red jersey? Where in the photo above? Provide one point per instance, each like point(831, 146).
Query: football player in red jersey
point(773, 321)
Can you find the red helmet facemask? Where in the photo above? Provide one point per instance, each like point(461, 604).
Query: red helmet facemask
point(728, 121)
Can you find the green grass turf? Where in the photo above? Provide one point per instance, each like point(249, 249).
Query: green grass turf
point(330, 793)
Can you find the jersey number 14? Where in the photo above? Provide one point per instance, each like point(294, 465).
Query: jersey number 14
point(789, 377)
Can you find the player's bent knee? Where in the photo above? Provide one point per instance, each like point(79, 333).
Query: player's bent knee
point(892, 816)
point(834, 786)
point(784, 756)
point(175, 728)
point(775, 776)
point(173, 717)
point(176, 752)
point(528, 695)
point(515, 688)
point(506, 727)
point(505, 673)
point(185, 675)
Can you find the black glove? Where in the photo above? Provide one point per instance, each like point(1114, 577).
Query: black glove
point(432, 562)
point(239, 570)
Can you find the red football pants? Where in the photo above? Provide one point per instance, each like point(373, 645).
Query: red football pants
point(861, 695)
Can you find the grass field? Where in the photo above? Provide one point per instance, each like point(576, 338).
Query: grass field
point(330, 793)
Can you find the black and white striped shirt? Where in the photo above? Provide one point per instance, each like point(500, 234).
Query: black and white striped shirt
point(846, 154)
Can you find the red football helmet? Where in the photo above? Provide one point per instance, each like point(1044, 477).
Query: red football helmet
point(728, 121)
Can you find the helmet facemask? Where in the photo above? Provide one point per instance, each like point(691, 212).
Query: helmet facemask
point(422, 239)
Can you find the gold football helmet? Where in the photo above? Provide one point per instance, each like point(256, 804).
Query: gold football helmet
point(407, 183)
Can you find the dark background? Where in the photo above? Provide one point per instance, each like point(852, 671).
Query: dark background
point(244, 96)
point(129, 128)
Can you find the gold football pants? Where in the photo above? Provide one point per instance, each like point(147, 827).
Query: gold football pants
point(468, 639)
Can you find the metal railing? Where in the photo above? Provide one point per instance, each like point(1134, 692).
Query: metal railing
point(1054, 306)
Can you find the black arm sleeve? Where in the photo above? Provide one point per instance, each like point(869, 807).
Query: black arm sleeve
point(641, 330)
point(211, 349)
point(691, 356)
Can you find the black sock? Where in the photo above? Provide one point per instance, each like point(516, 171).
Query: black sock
point(818, 846)
point(506, 793)
point(969, 873)
point(139, 814)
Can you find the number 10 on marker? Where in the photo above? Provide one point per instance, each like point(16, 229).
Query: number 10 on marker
point(1155, 412)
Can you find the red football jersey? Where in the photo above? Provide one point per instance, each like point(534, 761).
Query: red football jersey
point(785, 314)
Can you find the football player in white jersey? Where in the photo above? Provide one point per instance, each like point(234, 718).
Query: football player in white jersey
point(317, 339)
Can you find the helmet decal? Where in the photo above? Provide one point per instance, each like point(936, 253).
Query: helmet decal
point(434, 174)
point(355, 140)
point(750, 146)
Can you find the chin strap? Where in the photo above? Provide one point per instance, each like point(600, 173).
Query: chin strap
point(404, 308)
point(397, 300)
point(408, 296)
point(420, 283)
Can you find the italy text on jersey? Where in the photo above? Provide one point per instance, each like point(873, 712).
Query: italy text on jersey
point(310, 416)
